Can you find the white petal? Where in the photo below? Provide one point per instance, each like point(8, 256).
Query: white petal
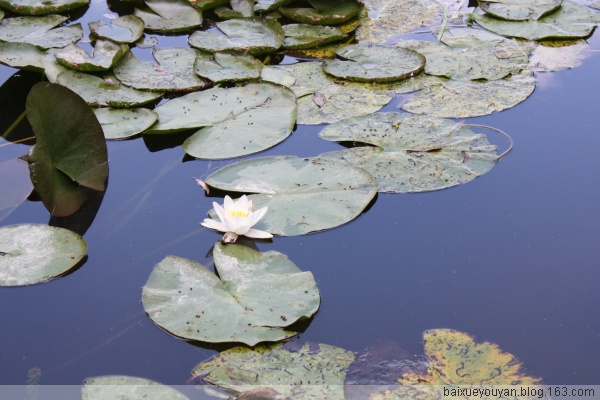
point(256, 216)
point(228, 204)
point(220, 212)
point(256, 234)
point(212, 224)
point(244, 204)
point(239, 225)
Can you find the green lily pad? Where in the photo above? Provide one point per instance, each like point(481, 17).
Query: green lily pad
point(464, 99)
point(38, 31)
point(125, 29)
point(174, 71)
point(571, 21)
point(119, 123)
point(22, 55)
point(519, 10)
point(304, 36)
point(324, 12)
point(36, 7)
point(52, 68)
point(253, 35)
point(277, 75)
point(169, 15)
point(32, 254)
point(387, 19)
point(105, 56)
point(308, 372)
point(414, 153)
point(208, 4)
point(374, 63)
point(557, 55)
point(239, 9)
point(303, 194)
point(127, 387)
point(223, 67)
point(255, 296)
point(15, 186)
point(69, 148)
point(265, 6)
point(107, 91)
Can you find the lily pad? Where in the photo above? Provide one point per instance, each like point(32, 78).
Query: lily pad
point(125, 29)
point(387, 19)
point(239, 9)
point(69, 148)
point(169, 15)
point(304, 36)
point(303, 194)
point(265, 6)
point(174, 71)
point(557, 55)
point(375, 63)
point(519, 10)
point(311, 371)
point(22, 55)
point(208, 4)
point(32, 254)
point(571, 21)
point(324, 12)
point(255, 296)
point(253, 35)
point(127, 387)
point(105, 56)
point(119, 123)
point(107, 91)
point(227, 67)
point(464, 99)
point(414, 153)
point(277, 75)
point(15, 186)
point(38, 31)
point(457, 359)
point(36, 7)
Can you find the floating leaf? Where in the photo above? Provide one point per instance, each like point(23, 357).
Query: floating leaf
point(571, 21)
point(127, 387)
point(239, 9)
point(146, 42)
point(123, 123)
point(464, 99)
point(253, 298)
point(32, 254)
point(304, 36)
point(387, 19)
point(106, 54)
point(174, 71)
point(15, 186)
point(414, 153)
point(228, 67)
point(125, 29)
point(208, 4)
point(303, 195)
point(265, 6)
point(519, 10)
point(22, 55)
point(556, 55)
point(69, 148)
point(312, 371)
point(277, 75)
point(253, 35)
point(324, 12)
point(375, 63)
point(169, 15)
point(36, 7)
point(100, 92)
point(38, 31)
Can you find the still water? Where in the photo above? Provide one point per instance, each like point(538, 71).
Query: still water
point(512, 257)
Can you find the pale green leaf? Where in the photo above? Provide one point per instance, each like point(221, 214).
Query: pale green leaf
point(121, 123)
point(125, 29)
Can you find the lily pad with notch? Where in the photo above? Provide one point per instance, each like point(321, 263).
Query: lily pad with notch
point(36, 7)
point(413, 153)
point(122, 123)
point(31, 253)
point(304, 195)
point(323, 12)
point(169, 16)
point(304, 36)
point(105, 55)
point(253, 298)
point(225, 66)
point(125, 29)
point(38, 31)
point(519, 10)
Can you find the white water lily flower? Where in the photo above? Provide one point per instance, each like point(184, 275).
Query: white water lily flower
point(237, 218)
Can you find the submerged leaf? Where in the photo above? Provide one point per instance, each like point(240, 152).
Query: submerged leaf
point(303, 195)
point(253, 298)
point(414, 153)
point(555, 55)
point(309, 372)
point(38, 31)
point(32, 254)
point(127, 387)
point(106, 54)
point(125, 29)
point(36, 7)
point(123, 123)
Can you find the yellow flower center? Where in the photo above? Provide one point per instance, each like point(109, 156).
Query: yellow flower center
point(238, 212)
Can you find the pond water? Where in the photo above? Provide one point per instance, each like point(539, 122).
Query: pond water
point(512, 257)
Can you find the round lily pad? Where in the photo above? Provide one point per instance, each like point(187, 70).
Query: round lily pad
point(303, 194)
point(36, 7)
point(106, 54)
point(32, 253)
point(38, 31)
point(127, 387)
point(121, 123)
point(414, 153)
point(254, 297)
point(519, 10)
point(169, 15)
point(253, 35)
point(374, 63)
point(324, 12)
point(304, 36)
point(227, 67)
point(125, 29)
